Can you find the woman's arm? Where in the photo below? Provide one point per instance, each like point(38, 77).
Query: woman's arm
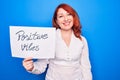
point(85, 62)
point(40, 66)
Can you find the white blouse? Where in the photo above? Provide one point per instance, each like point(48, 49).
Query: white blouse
point(70, 63)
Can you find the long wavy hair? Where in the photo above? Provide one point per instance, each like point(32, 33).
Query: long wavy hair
point(76, 24)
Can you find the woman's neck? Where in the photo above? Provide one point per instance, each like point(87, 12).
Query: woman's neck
point(66, 36)
point(66, 32)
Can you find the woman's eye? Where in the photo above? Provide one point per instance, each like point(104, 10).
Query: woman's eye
point(69, 14)
point(60, 16)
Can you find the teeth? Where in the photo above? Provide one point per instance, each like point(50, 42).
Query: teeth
point(66, 23)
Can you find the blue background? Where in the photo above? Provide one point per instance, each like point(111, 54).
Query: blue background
point(100, 25)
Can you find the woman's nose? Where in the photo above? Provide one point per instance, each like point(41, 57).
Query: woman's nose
point(65, 18)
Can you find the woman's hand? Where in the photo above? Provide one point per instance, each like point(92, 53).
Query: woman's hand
point(28, 64)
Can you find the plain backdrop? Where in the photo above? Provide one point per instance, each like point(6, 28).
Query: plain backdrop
point(100, 25)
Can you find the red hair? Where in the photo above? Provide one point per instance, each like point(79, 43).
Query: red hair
point(76, 24)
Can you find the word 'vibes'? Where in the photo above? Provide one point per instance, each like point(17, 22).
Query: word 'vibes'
point(22, 36)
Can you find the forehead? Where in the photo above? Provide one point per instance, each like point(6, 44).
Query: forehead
point(61, 11)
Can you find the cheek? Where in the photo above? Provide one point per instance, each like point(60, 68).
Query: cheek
point(58, 22)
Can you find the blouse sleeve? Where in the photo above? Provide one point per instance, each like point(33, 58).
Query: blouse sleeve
point(39, 66)
point(85, 62)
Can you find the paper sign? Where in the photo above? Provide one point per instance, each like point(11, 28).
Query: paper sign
point(35, 42)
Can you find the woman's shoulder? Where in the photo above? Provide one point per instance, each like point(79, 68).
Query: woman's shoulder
point(83, 39)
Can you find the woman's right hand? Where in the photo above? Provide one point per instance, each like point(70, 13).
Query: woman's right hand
point(28, 64)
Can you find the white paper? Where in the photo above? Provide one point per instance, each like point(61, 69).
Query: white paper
point(35, 42)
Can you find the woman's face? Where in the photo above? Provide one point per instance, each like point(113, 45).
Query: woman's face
point(64, 19)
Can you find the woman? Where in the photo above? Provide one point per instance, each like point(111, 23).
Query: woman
point(71, 60)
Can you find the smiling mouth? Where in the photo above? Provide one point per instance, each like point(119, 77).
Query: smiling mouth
point(66, 23)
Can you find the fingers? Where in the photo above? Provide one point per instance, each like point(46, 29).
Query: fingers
point(27, 59)
point(28, 64)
